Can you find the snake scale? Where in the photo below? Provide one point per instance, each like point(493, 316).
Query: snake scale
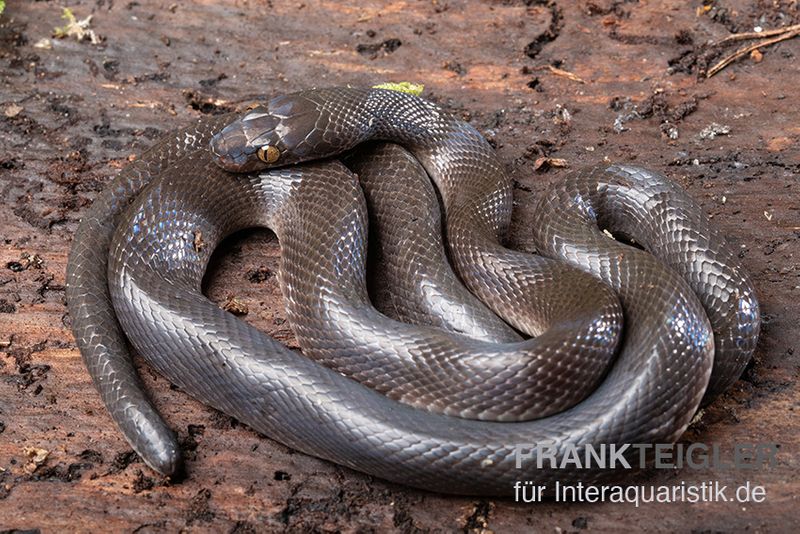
point(427, 386)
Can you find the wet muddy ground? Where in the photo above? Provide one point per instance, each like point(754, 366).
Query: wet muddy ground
point(548, 82)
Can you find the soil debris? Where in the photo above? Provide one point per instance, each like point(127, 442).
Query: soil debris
point(12, 110)
point(373, 50)
point(43, 44)
point(92, 456)
point(122, 460)
point(235, 306)
point(534, 47)
point(282, 476)
point(456, 67)
point(657, 105)
point(580, 523)
point(713, 130)
point(26, 261)
point(198, 242)
point(478, 521)
point(207, 105)
point(36, 458)
point(142, 483)
point(544, 163)
point(200, 508)
point(261, 274)
point(77, 28)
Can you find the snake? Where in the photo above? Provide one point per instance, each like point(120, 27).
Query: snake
point(669, 291)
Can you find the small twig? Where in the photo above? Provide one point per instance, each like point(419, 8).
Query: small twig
point(561, 72)
point(566, 74)
point(747, 49)
point(756, 35)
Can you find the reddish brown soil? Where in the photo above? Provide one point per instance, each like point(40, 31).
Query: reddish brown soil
point(74, 114)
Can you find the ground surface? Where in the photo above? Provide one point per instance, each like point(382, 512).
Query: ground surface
point(74, 112)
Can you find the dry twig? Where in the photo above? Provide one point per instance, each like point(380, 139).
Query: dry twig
point(756, 35)
point(561, 72)
point(782, 35)
point(566, 74)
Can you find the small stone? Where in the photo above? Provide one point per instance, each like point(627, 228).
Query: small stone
point(44, 44)
point(713, 130)
point(12, 110)
point(36, 457)
point(235, 306)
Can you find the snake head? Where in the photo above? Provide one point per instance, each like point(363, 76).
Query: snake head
point(280, 132)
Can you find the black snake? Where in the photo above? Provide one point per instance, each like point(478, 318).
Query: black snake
point(471, 389)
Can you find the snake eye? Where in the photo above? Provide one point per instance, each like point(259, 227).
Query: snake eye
point(268, 154)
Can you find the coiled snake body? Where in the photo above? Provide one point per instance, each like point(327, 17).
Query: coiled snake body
point(466, 402)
